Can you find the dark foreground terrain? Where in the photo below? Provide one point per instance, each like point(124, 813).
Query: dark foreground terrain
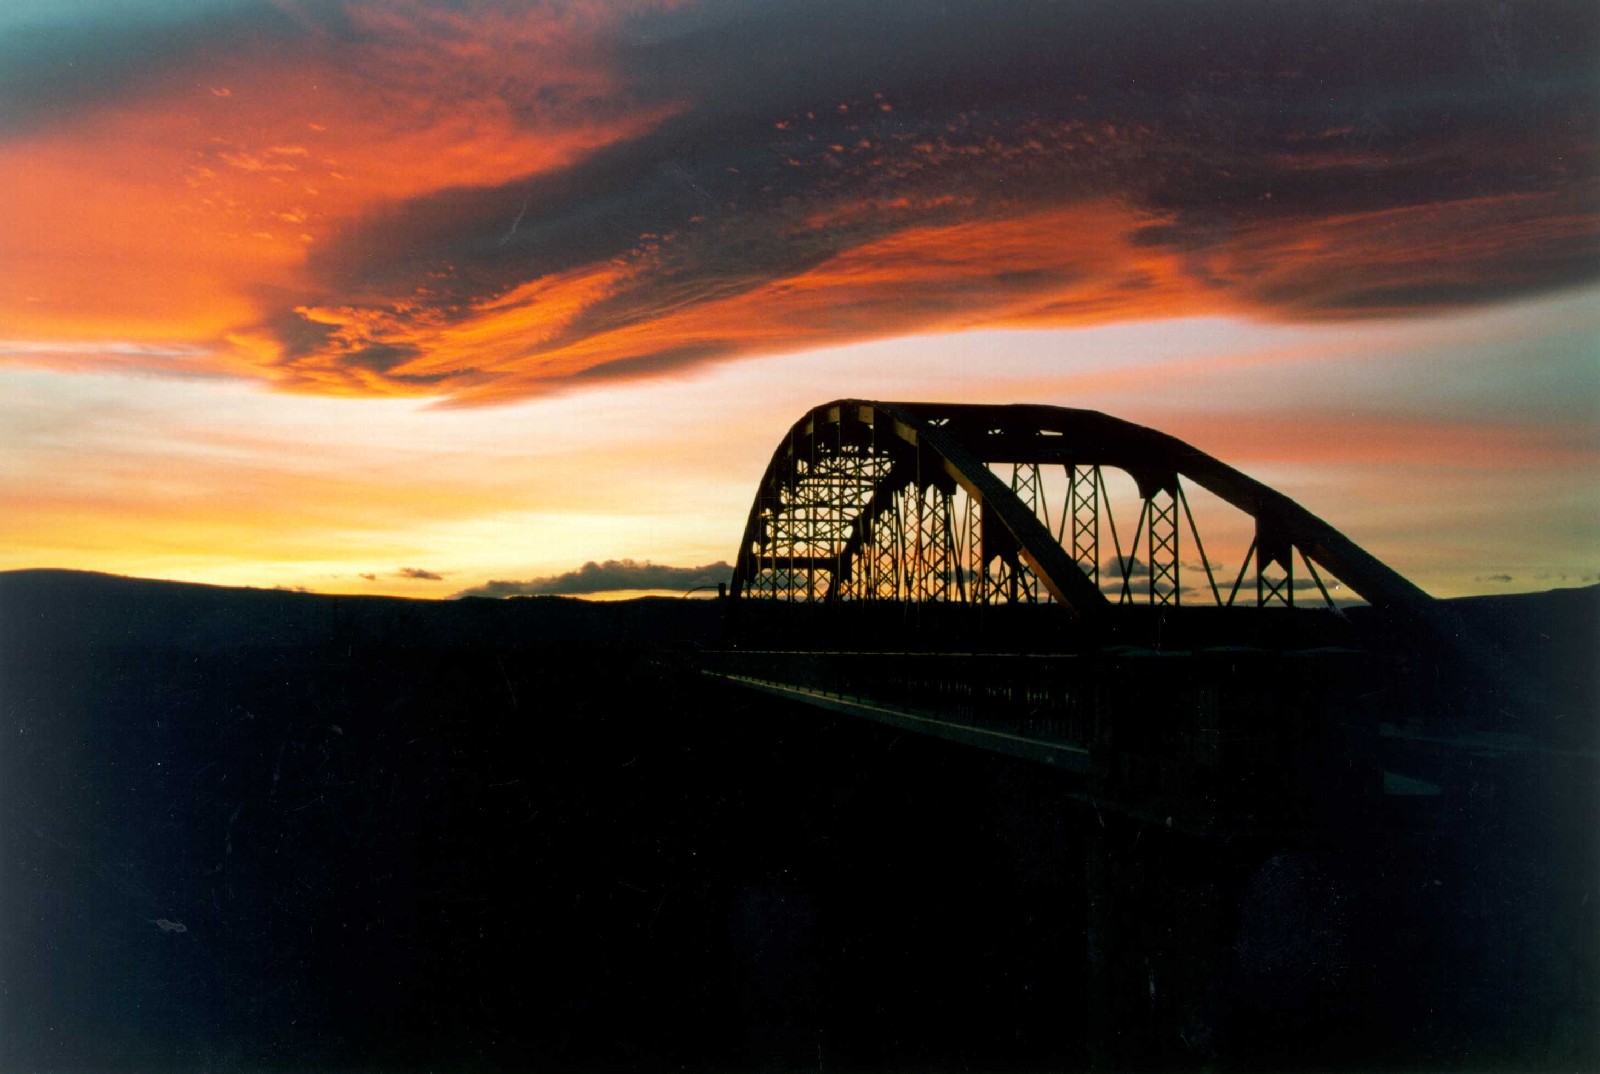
point(247, 830)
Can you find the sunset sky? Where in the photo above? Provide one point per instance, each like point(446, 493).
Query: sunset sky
point(413, 297)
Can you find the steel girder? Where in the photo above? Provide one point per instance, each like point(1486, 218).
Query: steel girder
point(856, 504)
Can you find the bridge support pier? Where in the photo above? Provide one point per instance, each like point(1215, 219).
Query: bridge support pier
point(1099, 939)
point(1161, 914)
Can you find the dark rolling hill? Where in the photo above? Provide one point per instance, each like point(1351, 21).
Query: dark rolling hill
point(51, 609)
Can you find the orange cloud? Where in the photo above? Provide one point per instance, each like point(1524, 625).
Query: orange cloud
point(483, 202)
point(1076, 264)
point(189, 212)
point(1058, 266)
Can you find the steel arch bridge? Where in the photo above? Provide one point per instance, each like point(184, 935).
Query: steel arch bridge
point(960, 571)
point(929, 503)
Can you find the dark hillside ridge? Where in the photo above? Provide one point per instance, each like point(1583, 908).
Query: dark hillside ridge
point(1551, 638)
point(1556, 634)
point(52, 609)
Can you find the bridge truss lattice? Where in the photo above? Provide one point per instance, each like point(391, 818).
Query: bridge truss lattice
point(972, 504)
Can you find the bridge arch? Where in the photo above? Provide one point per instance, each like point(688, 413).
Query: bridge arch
point(892, 501)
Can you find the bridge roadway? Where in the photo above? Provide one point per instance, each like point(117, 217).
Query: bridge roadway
point(1212, 741)
point(1225, 740)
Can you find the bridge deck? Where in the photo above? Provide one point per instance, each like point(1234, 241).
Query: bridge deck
point(1208, 740)
point(1067, 756)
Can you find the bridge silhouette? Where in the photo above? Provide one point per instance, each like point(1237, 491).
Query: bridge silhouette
point(958, 570)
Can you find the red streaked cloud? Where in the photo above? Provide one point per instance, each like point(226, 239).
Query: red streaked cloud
point(1402, 261)
point(1068, 266)
point(189, 212)
point(492, 201)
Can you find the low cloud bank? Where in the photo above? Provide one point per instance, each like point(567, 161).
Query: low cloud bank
point(609, 577)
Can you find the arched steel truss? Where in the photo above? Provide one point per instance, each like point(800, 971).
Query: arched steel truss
point(877, 501)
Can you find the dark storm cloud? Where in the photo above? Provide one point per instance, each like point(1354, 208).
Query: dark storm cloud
point(609, 577)
point(764, 175)
point(1135, 568)
point(59, 58)
point(1565, 576)
point(380, 357)
point(1244, 132)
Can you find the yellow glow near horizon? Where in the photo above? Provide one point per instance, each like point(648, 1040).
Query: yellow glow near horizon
point(218, 481)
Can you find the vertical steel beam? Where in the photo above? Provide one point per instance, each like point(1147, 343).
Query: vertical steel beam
point(1083, 509)
point(1162, 513)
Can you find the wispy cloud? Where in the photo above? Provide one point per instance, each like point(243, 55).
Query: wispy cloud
point(175, 360)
